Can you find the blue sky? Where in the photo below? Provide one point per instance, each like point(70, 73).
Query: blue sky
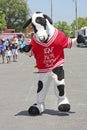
point(63, 10)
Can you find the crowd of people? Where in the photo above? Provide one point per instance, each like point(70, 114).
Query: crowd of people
point(9, 48)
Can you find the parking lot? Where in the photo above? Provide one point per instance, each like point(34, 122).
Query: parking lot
point(18, 91)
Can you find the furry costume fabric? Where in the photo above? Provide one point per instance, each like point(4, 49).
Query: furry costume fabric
point(47, 46)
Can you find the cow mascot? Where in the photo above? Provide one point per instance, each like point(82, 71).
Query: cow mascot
point(47, 45)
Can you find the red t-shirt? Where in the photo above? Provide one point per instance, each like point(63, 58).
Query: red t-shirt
point(51, 54)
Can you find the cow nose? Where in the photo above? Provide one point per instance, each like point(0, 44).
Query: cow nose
point(42, 38)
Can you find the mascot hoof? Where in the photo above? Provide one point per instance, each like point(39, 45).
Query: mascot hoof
point(33, 111)
point(36, 109)
point(64, 107)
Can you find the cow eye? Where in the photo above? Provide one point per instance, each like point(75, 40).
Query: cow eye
point(41, 21)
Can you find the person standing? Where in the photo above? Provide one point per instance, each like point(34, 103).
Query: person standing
point(22, 43)
point(2, 50)
point(14, 48)
point(8, 54)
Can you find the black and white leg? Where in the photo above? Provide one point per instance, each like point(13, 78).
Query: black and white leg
point(43, 85)
point(63, 103)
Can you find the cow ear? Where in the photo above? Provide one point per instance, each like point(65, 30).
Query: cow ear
point(49, 19)
point(27, 23)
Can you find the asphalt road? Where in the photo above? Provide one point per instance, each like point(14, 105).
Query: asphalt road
point(18, 91)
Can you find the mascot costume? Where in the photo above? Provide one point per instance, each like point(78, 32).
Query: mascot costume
point(47, 46)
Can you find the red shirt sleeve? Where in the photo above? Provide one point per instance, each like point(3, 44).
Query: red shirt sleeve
point(64, 41)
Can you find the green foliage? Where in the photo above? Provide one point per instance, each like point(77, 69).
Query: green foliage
point(2, 21)
point(63, 26)
point(69, 30)
point(16, 12)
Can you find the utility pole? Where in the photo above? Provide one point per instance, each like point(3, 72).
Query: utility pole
point(51, 9)
point(76, 17)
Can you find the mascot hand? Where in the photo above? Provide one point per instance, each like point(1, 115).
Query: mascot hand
point(27, 48)
point(80, 39)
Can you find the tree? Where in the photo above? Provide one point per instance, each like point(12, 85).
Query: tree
point(2, 21)
point(16, 12)
point(69, 30)
point(63, 26)
point(81, 23)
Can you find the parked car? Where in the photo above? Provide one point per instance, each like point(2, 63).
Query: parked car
point(82, 31)
point(83, 44)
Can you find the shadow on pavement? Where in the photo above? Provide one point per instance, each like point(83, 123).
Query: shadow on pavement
point(55, 112)
point(47, 111)
point(22, 113)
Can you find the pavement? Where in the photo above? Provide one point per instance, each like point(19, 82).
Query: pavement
point(18, 91)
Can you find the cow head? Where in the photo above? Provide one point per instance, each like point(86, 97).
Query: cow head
point(42, 25)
